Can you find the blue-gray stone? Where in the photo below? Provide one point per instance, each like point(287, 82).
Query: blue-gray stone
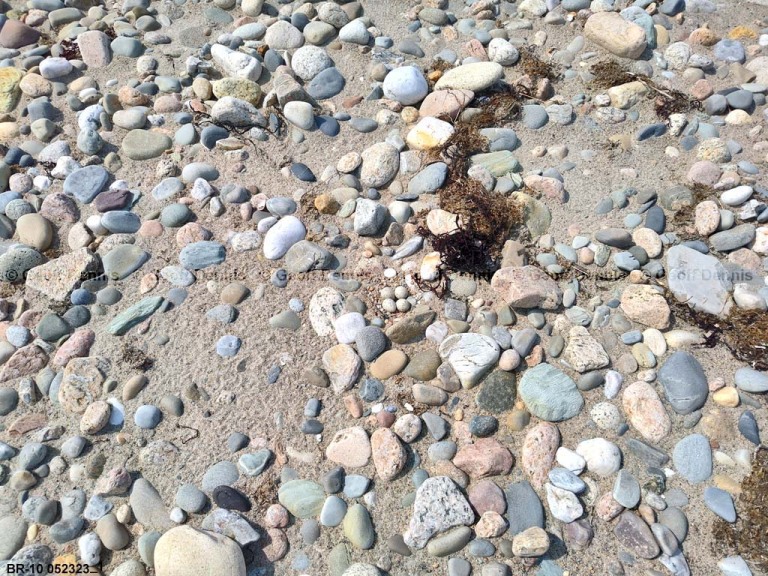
point(732, 239)
point(134, 315)
point(31, 455)
point(228, 346)
point(191, 499)
point(186, 135)
point(220, 474)
point(751, 380)
point(749, 428)
point(626, 489)
point(212, 134)
point(575, 5)
point(500, 138)
point(168, 188)
point(721, 503)
point(626, 261)
point(567, 480)
point(97, 507)
point(66, 530)
point(729, 51)
point(6, 198)
point(195, 170)
point(740, 99)
point(371, 390)
point(524, 509)
point(481, 548)
point(237, 441)
point(176, 215)
point(692, 457)
point(125, 46)
point(429, 180)
point(684, 382)
point(200, 255)
point(436, 425)
point(255, 463)
point(672, 7)
point(534, 116)
point(524, 340)
point(328, 125)
point(651, 131)
point(443, 450)
point(327, 84)
point(147, 416)
point(333, 512)
point(224, 313)
point(550, 394)
point(355, 485)
point(302, 172)
point(363, 125)
point(84, 184)
point(483, 426)
point(121, 222)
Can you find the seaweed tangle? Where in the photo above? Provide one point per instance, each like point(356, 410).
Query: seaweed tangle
point(667, 101)
point(747, 536)
point(743, 332)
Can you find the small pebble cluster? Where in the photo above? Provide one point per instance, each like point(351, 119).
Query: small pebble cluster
point(228, 345)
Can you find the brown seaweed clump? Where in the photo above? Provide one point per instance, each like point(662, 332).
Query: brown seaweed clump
point(70, 50)
point(535, 67)
point(486, 217)
point(135, 357)
point(747, 536)
point(667, 101)
point(686, 214)
point(747, 338)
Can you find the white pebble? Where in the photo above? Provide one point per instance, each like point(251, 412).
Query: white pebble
point(178, 515)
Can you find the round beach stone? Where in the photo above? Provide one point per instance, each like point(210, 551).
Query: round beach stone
point(692, 457)
point(145, 144)
point(684, 382)
point(406, 85)
point(35, 230)
point(216, 553)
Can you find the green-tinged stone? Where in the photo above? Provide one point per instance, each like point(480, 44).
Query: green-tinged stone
point(423, 365)
point(358, 527)
point(338, 560)
point(449, 542)
point(498, 163)
point(536, 215)
point(134, 315)
point(145, 144)
point(240, 88)
point(411, 327)
point(497, 393)
point(9, 88)
point(287, 319)
point(550, 394)
point(302, 498)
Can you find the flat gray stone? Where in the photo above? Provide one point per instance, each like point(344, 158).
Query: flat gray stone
point(684, 381)
point(692, 457)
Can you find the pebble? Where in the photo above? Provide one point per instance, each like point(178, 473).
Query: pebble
point(692, 457)
point(720, 503)
point(550, 394)
point(684, 382)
